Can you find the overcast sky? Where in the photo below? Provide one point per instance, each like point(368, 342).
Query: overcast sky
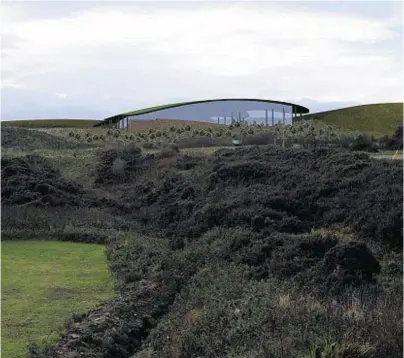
point(95, 59)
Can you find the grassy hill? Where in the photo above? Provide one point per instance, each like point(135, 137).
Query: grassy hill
point(372, 119)
point(51, 123)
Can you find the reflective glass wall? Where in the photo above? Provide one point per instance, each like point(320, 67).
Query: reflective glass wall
point(223, 112)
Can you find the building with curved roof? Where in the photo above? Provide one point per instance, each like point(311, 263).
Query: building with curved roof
point(220, 111)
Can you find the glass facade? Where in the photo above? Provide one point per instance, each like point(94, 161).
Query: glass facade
point(222, 112)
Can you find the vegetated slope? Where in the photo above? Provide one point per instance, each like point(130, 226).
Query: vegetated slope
point(156, 134)
point(51, 123)
point(30, 180)
point(23, 139)
point(372, 119)
point(265, 188)
point(227, 263)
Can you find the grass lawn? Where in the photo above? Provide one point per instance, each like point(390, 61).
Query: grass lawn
point(43, 283)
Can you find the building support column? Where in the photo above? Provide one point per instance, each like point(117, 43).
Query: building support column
point(293, 111)
point(283, 127)
point(266, 117)
point(273, 117)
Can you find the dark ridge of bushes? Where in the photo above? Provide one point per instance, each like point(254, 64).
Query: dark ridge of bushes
point(203, 141)
point(30, 180)
point(246, 186)
point(259, 139)
point(322, 265)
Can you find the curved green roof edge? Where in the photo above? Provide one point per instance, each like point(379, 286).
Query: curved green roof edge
point(299, 109)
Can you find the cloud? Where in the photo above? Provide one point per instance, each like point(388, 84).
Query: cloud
point(147, 54)
point(8, 83)
point(61, 95)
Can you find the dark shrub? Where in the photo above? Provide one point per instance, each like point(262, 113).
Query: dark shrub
point(148, 145)
point(346, 265)
point(187, 162)
point(203, 141)
point(386, 143)
point(298, 254)
point(170, 150)
point(117, 165)
point(258, 139)
point(351, 257)
point(398, 136)
point(32, 180)
point(393, 142)
point(363, 143)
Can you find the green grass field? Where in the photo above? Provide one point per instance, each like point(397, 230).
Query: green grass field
point(373, 119)
point(43, 283)
point(51, 123)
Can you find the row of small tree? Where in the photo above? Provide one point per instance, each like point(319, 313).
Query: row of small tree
point(304, 133)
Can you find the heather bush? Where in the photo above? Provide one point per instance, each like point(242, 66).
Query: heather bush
point(249, 252)
point(117, 165)
point(258, 139)
point(326, 187)
point(169, 150)
point(222, 313)
point(202, 141)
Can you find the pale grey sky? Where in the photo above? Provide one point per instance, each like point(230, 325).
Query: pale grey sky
point(95, 59)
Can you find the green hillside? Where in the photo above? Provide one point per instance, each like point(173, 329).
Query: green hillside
point(372, 119)
point(51, 123)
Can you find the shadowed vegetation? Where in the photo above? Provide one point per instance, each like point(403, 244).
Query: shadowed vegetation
point(257, 251)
